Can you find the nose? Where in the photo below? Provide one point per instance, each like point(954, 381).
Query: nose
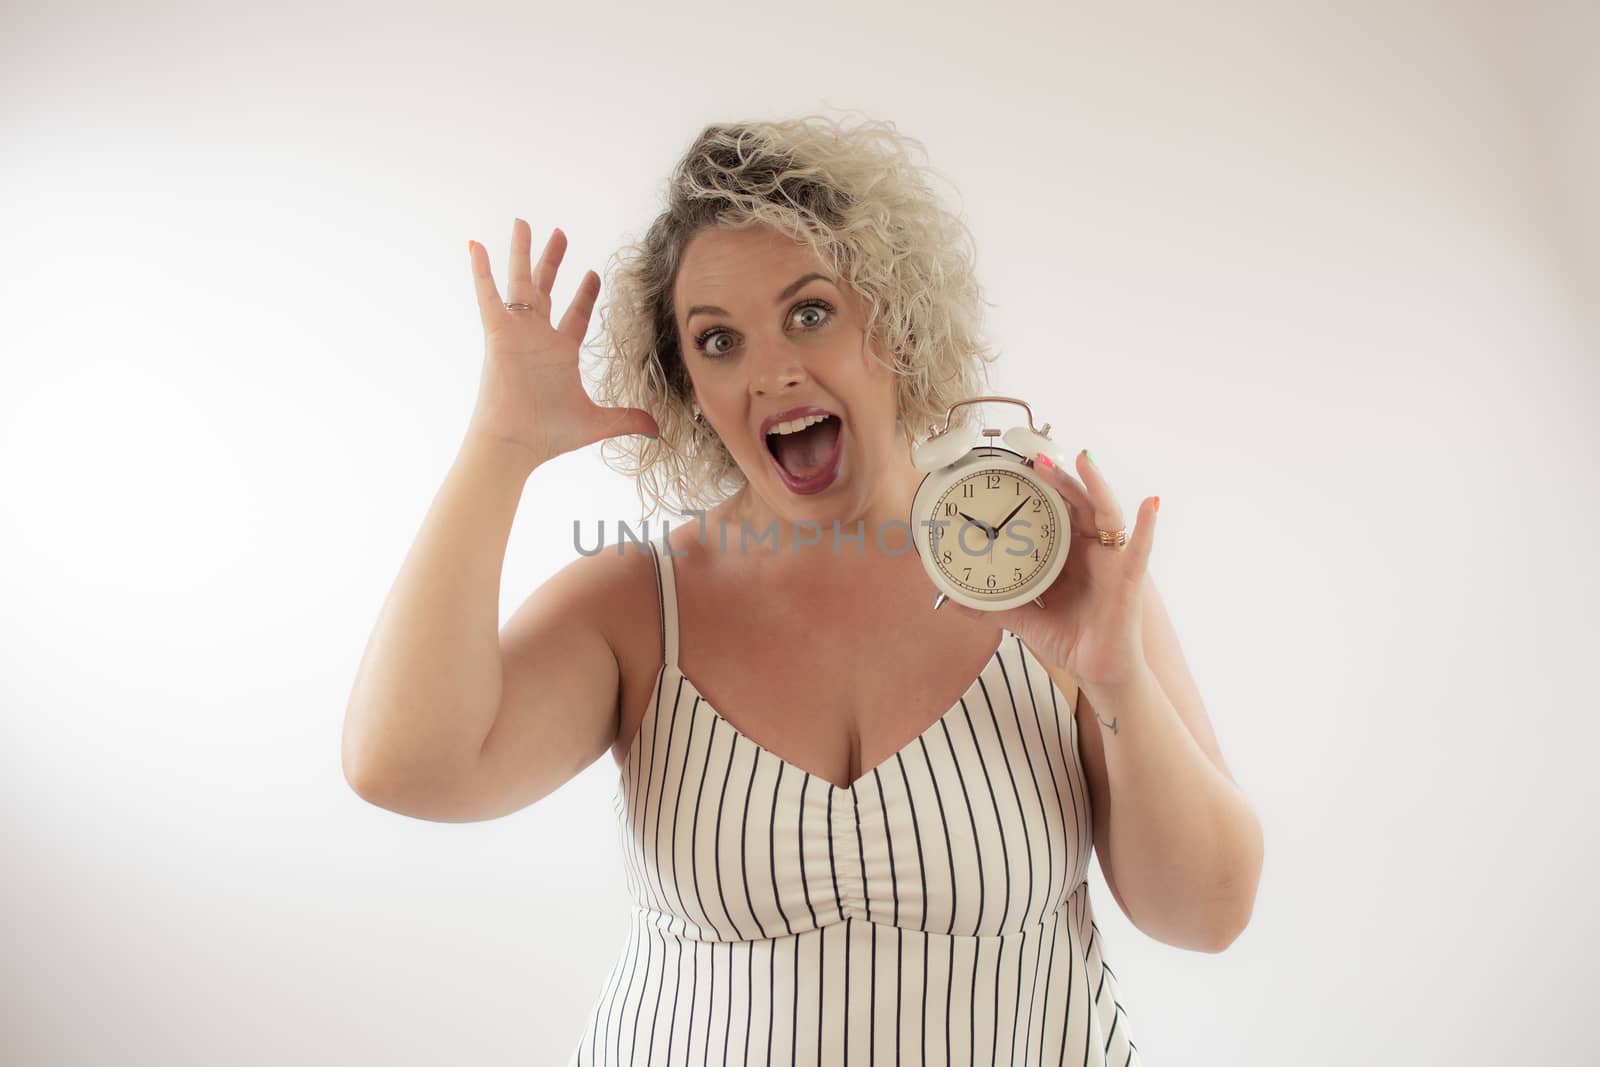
point(776, 374)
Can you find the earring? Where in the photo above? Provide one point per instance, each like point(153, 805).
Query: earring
point(697, 416)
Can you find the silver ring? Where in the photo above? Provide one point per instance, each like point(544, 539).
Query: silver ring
point(519, 307)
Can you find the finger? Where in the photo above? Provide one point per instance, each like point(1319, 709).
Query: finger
point(575, 323)
point(490, 307)
point(1107, 511)
point(615, 422)
point(1099, 489)
point(1144, 536)
point(1076, 496)
point(519, 283)
point(1022, 620)
point(544, 273)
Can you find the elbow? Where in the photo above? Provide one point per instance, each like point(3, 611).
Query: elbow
point(355, 774)
point(366, 750)
point(1225, 934)
point(357, 765)
point(358, 778)
point(1239, 891)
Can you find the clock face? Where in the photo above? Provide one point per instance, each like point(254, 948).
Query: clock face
point(1000, 533)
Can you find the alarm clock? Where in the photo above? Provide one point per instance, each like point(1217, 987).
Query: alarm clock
point(991, 533)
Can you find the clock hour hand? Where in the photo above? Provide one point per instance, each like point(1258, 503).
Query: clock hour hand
point(989, 531)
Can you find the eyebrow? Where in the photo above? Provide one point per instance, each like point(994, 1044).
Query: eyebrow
point(789, 290)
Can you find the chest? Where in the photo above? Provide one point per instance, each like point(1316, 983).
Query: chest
point(831, 683)
point(834, 692)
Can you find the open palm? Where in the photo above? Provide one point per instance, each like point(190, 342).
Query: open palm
point(530, 392)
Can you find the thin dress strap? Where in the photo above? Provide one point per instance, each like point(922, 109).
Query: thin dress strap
point(667, 597)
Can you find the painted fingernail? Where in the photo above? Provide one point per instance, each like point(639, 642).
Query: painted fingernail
point(1042, 460)
point(1158, 503)
point(1089, 458)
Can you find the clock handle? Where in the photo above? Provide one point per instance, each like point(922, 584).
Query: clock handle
point(943, 448)
point(936, 431)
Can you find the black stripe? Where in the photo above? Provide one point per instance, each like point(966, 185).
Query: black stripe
point(661, 600)
point(1055, 783)
point(716, 851)
point(772, 848)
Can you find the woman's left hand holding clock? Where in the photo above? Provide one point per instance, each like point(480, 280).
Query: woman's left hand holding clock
point(1090, 623)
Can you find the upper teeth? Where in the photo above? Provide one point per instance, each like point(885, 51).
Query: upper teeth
point(796, 424)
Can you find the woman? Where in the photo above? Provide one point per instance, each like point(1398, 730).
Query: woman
point(825, 869)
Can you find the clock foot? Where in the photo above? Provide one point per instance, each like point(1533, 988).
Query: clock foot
point(938, 600)
point(1039, 600)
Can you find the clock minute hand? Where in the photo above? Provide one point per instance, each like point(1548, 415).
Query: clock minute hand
point(1001, 524)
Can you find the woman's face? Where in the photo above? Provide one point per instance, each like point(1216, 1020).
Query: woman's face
point(767, 334)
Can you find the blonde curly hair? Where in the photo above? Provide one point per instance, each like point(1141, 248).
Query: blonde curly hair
point(857, 198)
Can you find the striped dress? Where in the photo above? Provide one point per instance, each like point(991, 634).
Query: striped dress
point(935, 912)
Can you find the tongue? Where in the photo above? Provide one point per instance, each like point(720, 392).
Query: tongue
point(805, 452)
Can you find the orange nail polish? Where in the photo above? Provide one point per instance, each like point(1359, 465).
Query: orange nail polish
point(1158, 503)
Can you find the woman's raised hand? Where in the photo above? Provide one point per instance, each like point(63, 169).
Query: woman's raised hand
point(530, 392)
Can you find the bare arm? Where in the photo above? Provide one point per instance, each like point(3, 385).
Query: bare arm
point(429, 684)
point(442, 724)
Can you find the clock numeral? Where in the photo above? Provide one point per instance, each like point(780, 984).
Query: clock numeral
point(967, 491)
point(1038, 503)
point(966, 574)
point(946, 558)
point(991, 481)
point(949, 507)
point(1018, 578)
point(991, 581)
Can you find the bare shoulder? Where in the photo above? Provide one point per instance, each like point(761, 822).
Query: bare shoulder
point(565, 655)
point(635, 614)
point(616, 592)
point(625, 600)
point(571, 657)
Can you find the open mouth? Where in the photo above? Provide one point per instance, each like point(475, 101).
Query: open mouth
point(807, 457)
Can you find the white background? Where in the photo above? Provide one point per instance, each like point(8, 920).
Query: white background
point(1323, 276)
